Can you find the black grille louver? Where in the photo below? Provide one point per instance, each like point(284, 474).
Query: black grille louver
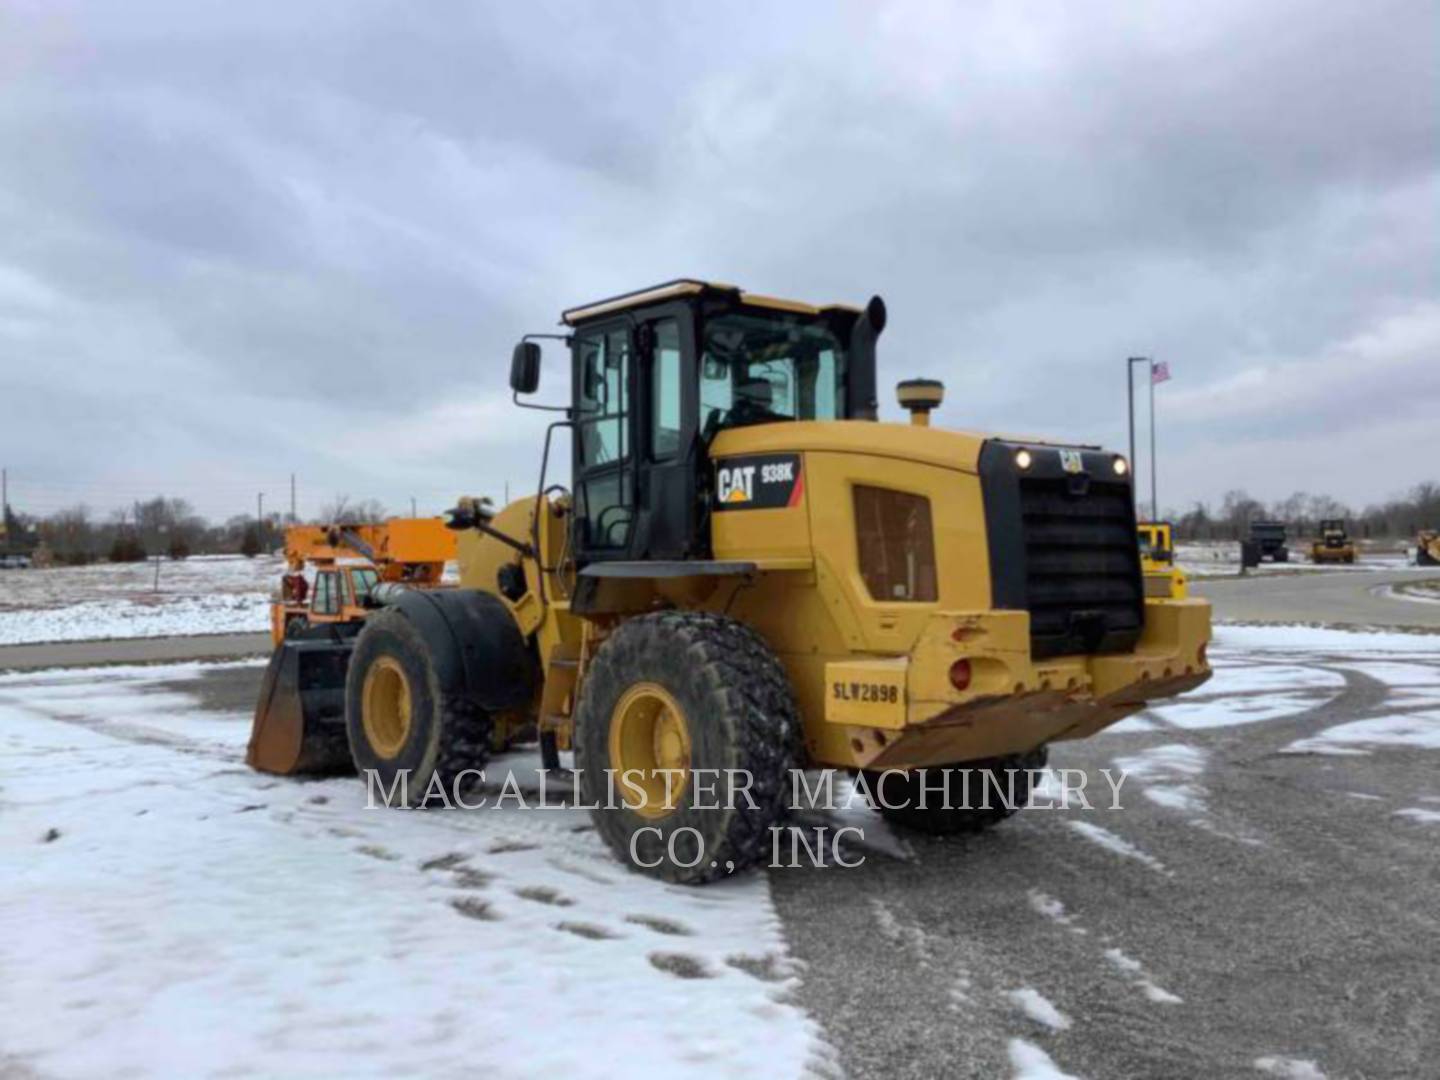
point(1063, 548)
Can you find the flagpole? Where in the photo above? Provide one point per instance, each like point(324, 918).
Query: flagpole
point(1154, 499)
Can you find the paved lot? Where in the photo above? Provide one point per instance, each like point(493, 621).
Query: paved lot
point(1291, 912)
point(1337, 598)
point(132, 651)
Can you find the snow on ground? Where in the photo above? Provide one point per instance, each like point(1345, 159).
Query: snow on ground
point(1169, 774)
point(1272, 673)
point(1421, 730)
point(1418, 592)
point(196, 576)
point(177, 616)
point(205, 594)
point(1032, 1063)
point(1117, 844)
point(201, 595)
point(1420, 815)
point(1039, 1008)
point(1221, 558)
point(1290, 1068)
point(1128, 965)
point(169, 912)
point(1279, 637)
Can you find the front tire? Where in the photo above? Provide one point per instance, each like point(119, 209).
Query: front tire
point(399, 721)
point(704, 697)
point(975, 796)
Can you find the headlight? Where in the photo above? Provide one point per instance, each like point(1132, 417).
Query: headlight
point(1023, 460)
point(1121, 466)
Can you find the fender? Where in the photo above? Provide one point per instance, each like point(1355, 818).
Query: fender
point(477, 649)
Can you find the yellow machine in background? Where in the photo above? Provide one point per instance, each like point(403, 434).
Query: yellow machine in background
point(1157, 561)
point(347, 562)
point(748, 576)
point(1334, 544)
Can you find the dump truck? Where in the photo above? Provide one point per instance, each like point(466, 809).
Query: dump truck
point(1157, 561)
point(749, 575)
point(1333, 545)
point(1269, 540)
point(347, 562)
point(1427, 548)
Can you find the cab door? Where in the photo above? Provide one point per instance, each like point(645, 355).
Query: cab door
point(667, 526)
point(604, 442)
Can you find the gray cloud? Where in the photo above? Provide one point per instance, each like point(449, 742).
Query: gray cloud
point(241, 241)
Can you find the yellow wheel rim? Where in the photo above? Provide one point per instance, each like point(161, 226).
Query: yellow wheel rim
point(650, 750)
point(385, 707)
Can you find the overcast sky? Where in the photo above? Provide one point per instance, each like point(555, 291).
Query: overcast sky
point(246, 239)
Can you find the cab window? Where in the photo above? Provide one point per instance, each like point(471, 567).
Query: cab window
point(603, 486)
point(665, 392)
point(363, 581)
point(604, 365)
point(759, 369)
point(327, 600)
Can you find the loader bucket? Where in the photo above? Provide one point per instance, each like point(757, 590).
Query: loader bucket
point(300, 717)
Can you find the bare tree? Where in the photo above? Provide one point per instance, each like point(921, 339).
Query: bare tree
point(341, 511)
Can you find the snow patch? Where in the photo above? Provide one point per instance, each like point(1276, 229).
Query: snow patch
point(1420, 814)
point(1032, 1063)
point(1147, 986)
point(1120, 846)
point(1291, 1068)
point(1420, 730)
point(1054, 910)
point(1167, 773)
point(1038, 1008)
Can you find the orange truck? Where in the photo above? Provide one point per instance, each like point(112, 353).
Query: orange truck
point(349, 561)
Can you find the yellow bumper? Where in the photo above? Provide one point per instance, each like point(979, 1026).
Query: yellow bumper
point(903, 712)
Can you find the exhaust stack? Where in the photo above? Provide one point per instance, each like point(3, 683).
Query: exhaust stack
point(920, 396)
point(864, 403)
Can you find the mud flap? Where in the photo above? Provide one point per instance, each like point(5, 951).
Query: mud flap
point(300, 717)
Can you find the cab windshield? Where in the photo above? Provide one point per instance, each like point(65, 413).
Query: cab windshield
point(759, 368)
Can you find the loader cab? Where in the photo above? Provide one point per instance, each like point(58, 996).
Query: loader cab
point(1156, 547)
point(657, 374)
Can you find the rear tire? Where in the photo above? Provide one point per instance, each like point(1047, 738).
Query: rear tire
point(737, 719)
point(961, 809)
point(399, 721)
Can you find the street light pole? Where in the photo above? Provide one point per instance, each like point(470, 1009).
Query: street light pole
point(1154, 500)
point(1130, 397)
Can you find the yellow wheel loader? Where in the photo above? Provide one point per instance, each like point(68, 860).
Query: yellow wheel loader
point(749, 575)
point(1157, 561)
point(1334, 543)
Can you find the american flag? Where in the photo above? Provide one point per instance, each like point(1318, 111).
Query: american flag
point(1160, 371)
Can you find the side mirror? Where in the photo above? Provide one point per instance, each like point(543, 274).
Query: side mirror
point(525, 368)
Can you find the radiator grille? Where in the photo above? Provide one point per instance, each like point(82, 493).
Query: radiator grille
point(1083, 586)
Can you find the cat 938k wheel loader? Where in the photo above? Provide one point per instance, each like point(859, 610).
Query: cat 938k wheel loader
point(749, 575)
